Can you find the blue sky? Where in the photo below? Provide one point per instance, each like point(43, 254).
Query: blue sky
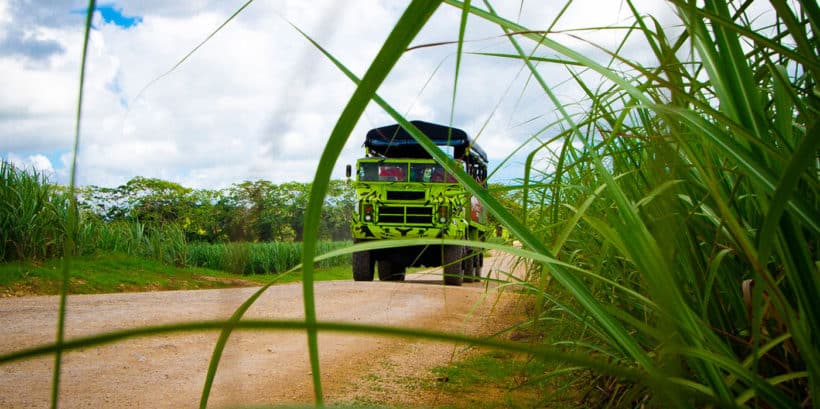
point(112, 14)
point(258, 101)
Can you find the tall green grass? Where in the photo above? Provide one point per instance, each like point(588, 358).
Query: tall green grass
point(32, 215)
point(697, 178)
point(259, 258)
point(679, 186)
point(675, 228)
point(164, 243)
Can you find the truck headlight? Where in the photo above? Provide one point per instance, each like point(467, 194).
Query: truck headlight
point(368, 212)
point(442, 214)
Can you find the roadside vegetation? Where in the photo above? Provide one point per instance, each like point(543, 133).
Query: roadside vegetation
point(115, 273)
point(669, 217)
point(150, 234)
point(495, 380)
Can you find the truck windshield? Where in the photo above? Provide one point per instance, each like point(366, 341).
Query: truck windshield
point(402, 172)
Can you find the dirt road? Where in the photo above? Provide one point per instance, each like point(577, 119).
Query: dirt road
point(258, 368)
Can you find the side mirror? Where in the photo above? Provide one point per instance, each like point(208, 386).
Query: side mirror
point(348, 171)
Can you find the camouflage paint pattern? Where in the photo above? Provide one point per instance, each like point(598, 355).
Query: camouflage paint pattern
point(409, 209)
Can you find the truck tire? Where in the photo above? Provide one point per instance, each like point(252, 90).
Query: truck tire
point(470, 266)
point(363, 266)
point(479, 264)
point(391, 270)
point(453, 274)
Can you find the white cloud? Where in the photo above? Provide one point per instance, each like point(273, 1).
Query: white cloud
point(5, 16)
point(258, 101)
point(41, 163)
point(38, 163)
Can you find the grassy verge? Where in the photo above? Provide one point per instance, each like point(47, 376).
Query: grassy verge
point(504, 380)
point(493, 379)
point(111, 273)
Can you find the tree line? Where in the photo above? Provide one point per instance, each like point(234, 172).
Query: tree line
point(250, 211)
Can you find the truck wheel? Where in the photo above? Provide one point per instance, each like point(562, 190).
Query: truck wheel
point(363, 266)
point(470, 266)
point(391, 270)
point(452, 265)
point(479, 264)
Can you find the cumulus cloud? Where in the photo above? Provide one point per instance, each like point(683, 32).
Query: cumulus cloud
point(38, 163)
point(29, 45)
point(257, 100)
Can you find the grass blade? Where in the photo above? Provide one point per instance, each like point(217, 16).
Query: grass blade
point(409, 24)
point(72, 218)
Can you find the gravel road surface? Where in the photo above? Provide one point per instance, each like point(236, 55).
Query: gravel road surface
point(258, 368)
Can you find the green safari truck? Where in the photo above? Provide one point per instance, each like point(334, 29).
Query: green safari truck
point(403, 193)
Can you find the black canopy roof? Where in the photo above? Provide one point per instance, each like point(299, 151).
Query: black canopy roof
point(393, 141)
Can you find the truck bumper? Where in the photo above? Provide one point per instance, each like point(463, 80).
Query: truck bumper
point(370, 231)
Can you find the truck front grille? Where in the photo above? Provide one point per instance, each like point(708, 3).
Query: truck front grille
point(404, 195)
point(406, 215)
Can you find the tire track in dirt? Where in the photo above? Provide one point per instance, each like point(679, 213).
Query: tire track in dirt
point(257, 368)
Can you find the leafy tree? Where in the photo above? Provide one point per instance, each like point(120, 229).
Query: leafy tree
point(249, 211)
point(148, 200)
point(338, 210)
point(255, 213)
point(107, 203)
point(201, 220)
point(293, 197)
